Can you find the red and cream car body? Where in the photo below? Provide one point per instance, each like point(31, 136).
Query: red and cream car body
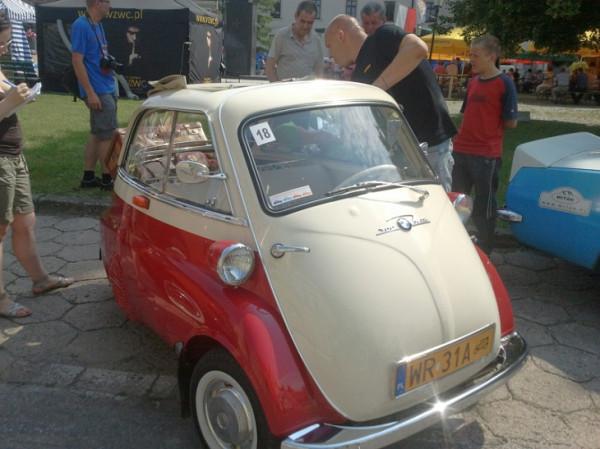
point(292, 243)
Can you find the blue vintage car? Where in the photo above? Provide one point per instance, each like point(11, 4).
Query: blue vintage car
point(553, 199)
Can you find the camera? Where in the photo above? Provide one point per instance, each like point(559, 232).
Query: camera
point(109, 62)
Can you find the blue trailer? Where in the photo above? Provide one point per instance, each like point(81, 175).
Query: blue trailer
point(553, 198)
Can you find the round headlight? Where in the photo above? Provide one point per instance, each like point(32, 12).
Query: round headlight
point(235, 264)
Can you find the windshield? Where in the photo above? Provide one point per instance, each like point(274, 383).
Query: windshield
point(308, 156)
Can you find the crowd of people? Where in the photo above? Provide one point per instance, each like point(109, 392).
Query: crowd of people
point(382, 54)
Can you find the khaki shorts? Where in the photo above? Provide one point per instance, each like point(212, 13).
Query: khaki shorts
point(15, 190)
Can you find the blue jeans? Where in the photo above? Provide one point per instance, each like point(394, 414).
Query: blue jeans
point(440, 159)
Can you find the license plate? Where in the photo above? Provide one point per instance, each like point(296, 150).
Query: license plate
point(423, 368)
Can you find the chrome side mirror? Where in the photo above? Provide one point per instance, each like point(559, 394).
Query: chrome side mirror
point(191, 172)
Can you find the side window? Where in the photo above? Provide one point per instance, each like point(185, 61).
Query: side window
point(147, 156)
point(193, 154)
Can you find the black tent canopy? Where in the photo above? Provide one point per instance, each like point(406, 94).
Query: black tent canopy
point(151, 38)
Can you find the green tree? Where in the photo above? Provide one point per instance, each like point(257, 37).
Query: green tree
point(555, 25)
point(264, 8)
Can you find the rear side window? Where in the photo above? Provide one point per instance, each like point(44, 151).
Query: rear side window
point(172, 153)
point(147, 155)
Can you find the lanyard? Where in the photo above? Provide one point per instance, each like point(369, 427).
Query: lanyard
point(103, 47)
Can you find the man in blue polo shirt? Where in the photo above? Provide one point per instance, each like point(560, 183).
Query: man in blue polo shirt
point(97, 88)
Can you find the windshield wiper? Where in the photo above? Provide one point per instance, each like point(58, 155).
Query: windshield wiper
point(369, 186)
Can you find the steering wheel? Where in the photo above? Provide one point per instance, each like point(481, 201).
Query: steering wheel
point(375, 173)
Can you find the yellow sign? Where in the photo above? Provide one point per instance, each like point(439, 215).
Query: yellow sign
point(207, 20)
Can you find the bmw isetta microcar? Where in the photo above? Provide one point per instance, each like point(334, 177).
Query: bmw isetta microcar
point(294, 246)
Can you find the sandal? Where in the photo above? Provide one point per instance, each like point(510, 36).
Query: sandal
point(52, 282)
point(15, 310)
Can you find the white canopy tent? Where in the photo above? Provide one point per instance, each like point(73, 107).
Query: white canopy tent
point(20, 67)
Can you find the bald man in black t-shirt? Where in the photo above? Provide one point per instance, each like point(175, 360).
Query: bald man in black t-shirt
point(395, 61)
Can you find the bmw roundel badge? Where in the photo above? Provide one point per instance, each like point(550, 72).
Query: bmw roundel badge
point(404, 224)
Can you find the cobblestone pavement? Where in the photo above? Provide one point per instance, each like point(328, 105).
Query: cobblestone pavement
point(77, 341)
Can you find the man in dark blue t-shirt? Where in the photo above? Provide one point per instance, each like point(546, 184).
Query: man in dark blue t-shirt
point(395, 61)
point(97, 88)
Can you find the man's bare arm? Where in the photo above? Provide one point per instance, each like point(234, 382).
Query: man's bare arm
point(411, 52)
point(84, 80)
point(270, 70)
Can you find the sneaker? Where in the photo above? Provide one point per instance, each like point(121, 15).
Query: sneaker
point(90, 183)
point(106, 185)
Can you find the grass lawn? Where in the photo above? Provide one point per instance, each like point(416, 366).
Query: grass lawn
point(56, 130)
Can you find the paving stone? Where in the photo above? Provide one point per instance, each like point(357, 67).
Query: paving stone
point(530, 260)
point(88, 237)
point(38, 342)
point(540, 312)
point(587, 313)
point(48, 248)
point(164, 387)
point(565, 296)
point(586, 427)
point(49, 307)
point(8, 277)
point(115, 382)
point(8, 258)
point(47, 234)
point(573, 278)
point(46, 221)
point(96, 290)
point(6, 360)
point(534, 334)
point(497, 258)
point(52, 374)
point(94, 316)
point(77, 224)
point(109, 345)
point(85, 271)
point(594, 389)
point(523, 422)
point(577, 336)
point(537, 387)
point(80, 253)
point(499, 394)
point(51, 264)
point(516, 276)
point(20, 287)
point(567, 362)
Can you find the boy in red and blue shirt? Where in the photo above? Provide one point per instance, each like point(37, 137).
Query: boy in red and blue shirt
point(490, 106)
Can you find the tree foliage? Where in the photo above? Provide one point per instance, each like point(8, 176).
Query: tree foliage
point(554, 25)
point(263, 23)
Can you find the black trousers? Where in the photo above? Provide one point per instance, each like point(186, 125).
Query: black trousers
point(480, 174)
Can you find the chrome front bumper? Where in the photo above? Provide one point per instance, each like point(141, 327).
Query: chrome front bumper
point(326, 436)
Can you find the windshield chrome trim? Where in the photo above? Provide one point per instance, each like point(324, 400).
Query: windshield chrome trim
point(163, 198)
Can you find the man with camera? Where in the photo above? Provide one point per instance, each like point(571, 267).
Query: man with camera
point(94, 68)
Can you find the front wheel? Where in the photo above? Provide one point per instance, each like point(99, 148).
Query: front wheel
point(225, 408)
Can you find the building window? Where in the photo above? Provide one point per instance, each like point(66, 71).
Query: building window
point(276, 13)
point(390, 9)
point(351, 7)
point(318, 5)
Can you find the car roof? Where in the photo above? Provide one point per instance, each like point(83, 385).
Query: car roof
point(246, 99)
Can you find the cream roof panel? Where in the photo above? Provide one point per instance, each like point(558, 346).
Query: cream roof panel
point(239, 101)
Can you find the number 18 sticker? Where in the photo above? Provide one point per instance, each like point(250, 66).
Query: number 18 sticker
point(262, 133)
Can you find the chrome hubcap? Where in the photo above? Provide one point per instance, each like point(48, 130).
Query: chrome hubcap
point(229, 417)
point(224, 412)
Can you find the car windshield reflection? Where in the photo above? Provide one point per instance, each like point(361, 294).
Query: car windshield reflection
point(301, 157)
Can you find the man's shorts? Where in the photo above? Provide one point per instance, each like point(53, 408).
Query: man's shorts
point(104, 123)
point(15, 190)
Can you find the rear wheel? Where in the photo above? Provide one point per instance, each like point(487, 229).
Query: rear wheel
point(226, 411)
